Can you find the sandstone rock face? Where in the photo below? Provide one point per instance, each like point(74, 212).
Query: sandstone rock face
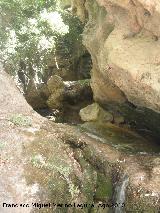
point(10, 96)
point(94, 112)
point(78, 7)
point(122, 37)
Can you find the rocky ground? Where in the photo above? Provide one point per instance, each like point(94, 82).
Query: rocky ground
point(44, 162)
point(95, 163)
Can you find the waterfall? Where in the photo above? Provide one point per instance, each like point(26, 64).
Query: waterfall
point(119, 196)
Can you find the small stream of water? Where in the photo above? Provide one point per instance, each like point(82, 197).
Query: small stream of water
point(122, 139)
point(119, 196)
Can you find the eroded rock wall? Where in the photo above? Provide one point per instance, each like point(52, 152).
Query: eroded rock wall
point(123, 38)
point(33, 167)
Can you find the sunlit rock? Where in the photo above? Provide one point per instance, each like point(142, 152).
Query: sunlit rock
point(94, 112)
point(123, 40)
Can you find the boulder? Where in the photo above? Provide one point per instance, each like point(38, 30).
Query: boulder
point(36, 164)
point(56, 88)
point(55, 99)
point(55, 82)
point(94, 112)
point(118, 119)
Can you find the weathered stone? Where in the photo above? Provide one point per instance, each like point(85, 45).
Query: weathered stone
point(56, 88)
point(122, 38)
point(55, 99)
point(55, 83)
point(131, 65)
point(90, 113)
point(78, 8)
point(38, 162)
point(46, 161)
point(118, 119)
point(94, 112)
point(77, 90)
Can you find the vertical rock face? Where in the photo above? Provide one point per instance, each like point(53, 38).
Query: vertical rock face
point(10, 97)
point(96, 33)
point(122, 37)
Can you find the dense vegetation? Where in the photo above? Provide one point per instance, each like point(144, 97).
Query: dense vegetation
point(30, 30)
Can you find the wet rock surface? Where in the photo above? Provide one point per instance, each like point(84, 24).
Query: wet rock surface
point(45, 162)
point(122, 38)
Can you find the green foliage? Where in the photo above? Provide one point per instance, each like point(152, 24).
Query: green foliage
point(75, 27)
point(74, 36)
point(14, 13)
point(28, 41)
point(20, 120)
point(22, 25)
point(85, 82)
point(104, 188)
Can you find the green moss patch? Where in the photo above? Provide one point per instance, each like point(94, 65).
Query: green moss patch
point(104, 188)
point(20, 120)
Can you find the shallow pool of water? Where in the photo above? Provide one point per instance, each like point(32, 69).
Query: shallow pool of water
point(121, 138)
